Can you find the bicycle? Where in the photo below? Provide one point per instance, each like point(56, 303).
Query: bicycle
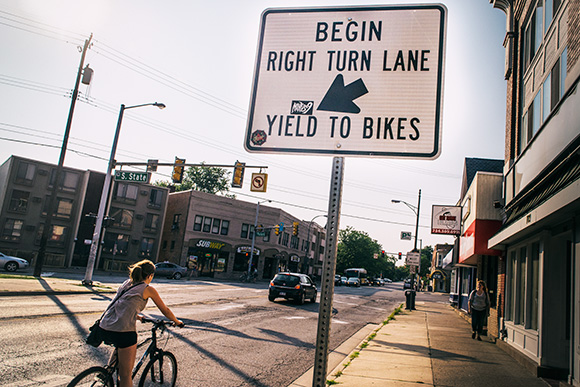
point(248, 278)
point(161, 369)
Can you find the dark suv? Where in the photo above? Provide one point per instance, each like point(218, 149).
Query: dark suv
point(294, 286)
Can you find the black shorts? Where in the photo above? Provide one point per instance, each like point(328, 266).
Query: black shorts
point(120, 339)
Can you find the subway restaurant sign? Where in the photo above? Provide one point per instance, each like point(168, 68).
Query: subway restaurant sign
point(364, 81)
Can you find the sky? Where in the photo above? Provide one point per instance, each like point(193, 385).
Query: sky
point(198, 58)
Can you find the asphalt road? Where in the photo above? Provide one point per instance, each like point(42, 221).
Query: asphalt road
point(233, 336)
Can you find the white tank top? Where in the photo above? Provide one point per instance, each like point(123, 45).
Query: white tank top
point(122, 316)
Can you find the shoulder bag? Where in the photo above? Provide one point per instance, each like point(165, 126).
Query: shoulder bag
point(96, 337)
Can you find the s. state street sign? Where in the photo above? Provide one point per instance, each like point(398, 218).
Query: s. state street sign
point(362, 81)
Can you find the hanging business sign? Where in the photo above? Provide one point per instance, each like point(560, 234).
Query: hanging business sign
point(364, 81)
point(446, 220)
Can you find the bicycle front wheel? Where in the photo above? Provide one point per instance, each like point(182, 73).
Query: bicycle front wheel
point(93, 377)
point(160, 371)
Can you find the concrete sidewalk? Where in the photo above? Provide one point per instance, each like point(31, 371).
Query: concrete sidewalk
point(430, 346)
point(22, 283)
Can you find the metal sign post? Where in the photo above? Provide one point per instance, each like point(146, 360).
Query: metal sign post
point(328, 271)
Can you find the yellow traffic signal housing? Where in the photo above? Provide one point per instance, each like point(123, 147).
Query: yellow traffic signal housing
point(238, 177)
point(295, 228)
point(177, 175)
point(276, 229)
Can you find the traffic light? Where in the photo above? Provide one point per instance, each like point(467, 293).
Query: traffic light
point(177, 174)
point(382, 253)
point(238, 177)
point(276, 229)
point(400, 255)
point(295, 228)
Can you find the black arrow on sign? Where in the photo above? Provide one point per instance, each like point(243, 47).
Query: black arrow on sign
point(339, 97)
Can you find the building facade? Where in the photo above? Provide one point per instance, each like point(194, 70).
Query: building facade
point(540, 235)
point(136, 214)
point(216, 233)
point(439, 277)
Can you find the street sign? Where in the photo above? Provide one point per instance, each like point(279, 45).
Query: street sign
point(413, 258)
point(405, 236)
point(141, 177)
point(359, 81)
point(259, 182)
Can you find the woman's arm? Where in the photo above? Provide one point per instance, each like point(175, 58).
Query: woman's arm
point(150, 292)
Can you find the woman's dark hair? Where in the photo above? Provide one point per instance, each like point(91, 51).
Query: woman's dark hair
point(141, 270)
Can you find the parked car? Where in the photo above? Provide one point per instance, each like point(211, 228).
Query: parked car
point(292, 286)
point(10, 263)
point(387, 280)
point(169, 270)
point(353, 281)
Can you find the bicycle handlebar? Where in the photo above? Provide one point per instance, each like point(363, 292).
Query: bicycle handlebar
point(158, 323)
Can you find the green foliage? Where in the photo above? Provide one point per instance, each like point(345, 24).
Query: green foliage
point(426, 258)
point(212, 180)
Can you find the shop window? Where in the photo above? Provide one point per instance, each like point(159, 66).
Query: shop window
point(116, 244)
point(146, 248)
point(122, 217)
point(126, 192)
point(225, 227)
point(25, 173)
point(56, 237)
point(197, 223)
point(155, 198)
point(294, 242)
point(522, 286)
point(152, 222)
point(245, 234)
point(68, 180)
point(12, 230)
point(19, 201)
point(207, 224)
point(222, 263)
point(176, 221)
point(215, 228)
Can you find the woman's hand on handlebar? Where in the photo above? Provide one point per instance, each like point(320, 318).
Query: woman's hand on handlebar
point(179, 323)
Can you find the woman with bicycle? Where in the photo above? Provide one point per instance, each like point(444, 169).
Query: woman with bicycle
point(119, 321)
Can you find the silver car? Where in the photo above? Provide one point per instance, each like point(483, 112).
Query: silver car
point(169, 270)
point(12, 263)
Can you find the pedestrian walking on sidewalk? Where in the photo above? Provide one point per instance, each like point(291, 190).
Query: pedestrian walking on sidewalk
point(478, 308)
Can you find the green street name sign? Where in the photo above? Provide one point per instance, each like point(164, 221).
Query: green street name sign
point(141, 177)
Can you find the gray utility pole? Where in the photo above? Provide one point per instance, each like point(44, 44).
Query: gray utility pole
point(53, 191)
point(328, 271)
point(88, 280)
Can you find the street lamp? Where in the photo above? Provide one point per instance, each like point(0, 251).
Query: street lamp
point(88, 280)
point(254, 236)
point(416, 211)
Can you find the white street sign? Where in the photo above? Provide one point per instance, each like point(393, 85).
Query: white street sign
point(413, 258)
point(363, 81)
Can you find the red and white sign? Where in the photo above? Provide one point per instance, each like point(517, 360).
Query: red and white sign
point(446, 220)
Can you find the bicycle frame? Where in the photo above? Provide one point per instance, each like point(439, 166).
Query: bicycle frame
point(151, 351)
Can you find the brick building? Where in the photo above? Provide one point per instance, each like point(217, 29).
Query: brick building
point(539, 237)
point(216, 232)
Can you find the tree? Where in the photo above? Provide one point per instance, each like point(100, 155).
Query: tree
point(426, 257)
point(212, 180)
point(357, 249)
